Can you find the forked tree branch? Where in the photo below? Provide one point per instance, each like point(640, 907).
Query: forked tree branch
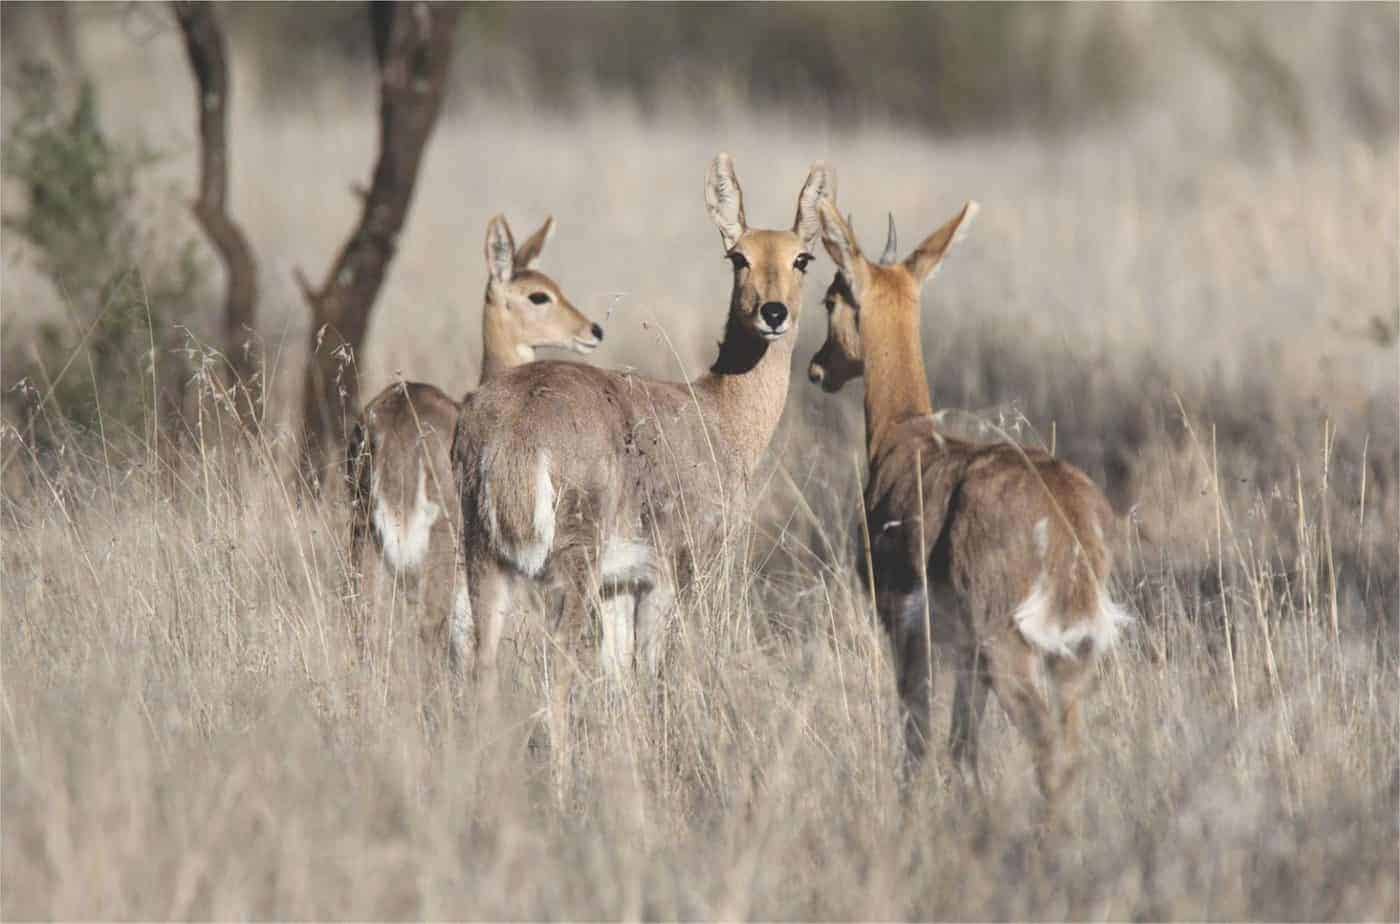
point(413, 47)
point(204, 42)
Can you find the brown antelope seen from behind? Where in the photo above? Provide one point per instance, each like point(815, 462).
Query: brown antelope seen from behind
point(999, 548)
point(397, 462)
point(619, 485)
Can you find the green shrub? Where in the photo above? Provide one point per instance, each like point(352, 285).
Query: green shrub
point(109, 363)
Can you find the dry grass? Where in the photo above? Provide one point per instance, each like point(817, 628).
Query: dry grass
point(186, 732)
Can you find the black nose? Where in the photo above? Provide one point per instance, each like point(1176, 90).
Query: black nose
point(816, 373)
point(598, 331)
point(775, 313)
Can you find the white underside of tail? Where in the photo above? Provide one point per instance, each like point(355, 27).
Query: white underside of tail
point(404, 539)
point(530, 554)
point(1035, 619)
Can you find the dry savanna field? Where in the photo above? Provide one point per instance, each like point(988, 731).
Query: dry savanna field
point(1203, 322)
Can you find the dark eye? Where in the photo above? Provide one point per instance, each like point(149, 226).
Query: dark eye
point(738, 259)
point(801, 262)
point(539, 298)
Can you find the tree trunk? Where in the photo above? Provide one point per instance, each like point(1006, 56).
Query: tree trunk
point(204, 41)
point(413, 46)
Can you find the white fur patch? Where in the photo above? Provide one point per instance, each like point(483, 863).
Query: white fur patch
point(404, 540)
point(1041, 533)
point(531, 555)
point(624, 561)
point(485, 506)
point(1034, 620)
point(528, 555)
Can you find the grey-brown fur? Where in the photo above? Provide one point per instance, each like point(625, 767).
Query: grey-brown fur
point(407, 424)
point(405, 433)
point(641, 478)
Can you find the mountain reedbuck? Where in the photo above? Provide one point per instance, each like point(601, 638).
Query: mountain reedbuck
point(998, 550)
point(398, 466)
point(615, 484)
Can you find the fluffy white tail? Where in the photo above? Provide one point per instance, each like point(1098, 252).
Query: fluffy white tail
point(404, 535)
point(1092, 634)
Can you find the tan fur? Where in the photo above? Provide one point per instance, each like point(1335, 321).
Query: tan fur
point(646, 476)
point(997, 533)
point(405, 432)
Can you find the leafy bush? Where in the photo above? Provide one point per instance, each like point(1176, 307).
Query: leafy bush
point(110, 362)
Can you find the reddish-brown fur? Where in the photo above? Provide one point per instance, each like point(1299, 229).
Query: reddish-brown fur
point(963, 535)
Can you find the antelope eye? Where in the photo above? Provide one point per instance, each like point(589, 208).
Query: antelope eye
point(539, 298)
point(738, 259)
point(801, 262)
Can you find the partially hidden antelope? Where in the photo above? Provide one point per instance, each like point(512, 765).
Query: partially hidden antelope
point(619, 485)
point(995, 549)
point(400, 475)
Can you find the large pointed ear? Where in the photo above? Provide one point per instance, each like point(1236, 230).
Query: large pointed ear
point(924, 261)
point(500, 250)
point(821, 184)
point(528, 253)
point(841, 244)
point(725, 200)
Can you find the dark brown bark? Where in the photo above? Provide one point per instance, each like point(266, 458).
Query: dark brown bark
point(413, 47)
point(204, 41)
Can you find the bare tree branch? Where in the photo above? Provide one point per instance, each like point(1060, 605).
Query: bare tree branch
point(413, 47)
point(204, 41)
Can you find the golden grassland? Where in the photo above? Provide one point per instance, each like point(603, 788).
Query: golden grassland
point(186, 731)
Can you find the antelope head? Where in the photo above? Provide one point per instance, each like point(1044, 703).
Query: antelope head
point(769, 266)
point(532, 310)
point(867, 295)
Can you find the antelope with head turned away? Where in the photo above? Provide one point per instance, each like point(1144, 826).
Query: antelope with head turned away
point(617, 484)
point(996, 549)
point(400, 475)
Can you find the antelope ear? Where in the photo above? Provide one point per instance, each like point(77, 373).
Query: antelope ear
point(821, 184)
point(725, 200)
point(528, 254)
point(500, 250)
point(841, 245)
point(924, 261)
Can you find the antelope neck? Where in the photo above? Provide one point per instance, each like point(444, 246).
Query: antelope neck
point(747, 388)
point(499, 350)
point(896, 384)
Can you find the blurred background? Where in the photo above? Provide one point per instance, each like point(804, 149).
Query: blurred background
point(1183, 279)
point(1191, 203)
